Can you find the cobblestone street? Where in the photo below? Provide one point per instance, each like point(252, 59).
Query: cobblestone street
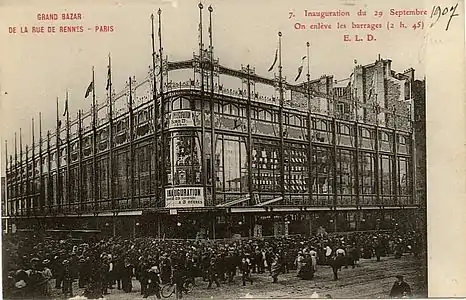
point(371, 279)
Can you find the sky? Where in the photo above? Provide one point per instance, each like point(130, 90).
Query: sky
point(35, 69)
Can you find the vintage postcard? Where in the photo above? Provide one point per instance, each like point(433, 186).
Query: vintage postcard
point(232, 149)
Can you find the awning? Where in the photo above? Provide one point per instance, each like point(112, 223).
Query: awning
point(234, 202)
point(269, 201)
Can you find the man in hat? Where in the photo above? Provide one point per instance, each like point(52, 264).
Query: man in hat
point(178, 280)
point(47, 274)
point(83, 270)
point(378, 248)
point(57, 269)
point(154, 282)
point(213, 272)
point(246, 269)
point(165, 267)
point(299, 262)
point(328, 252)
point(313, 254)
point(67, 287)
point(275, 268)
point(400, 288)
point(126, 276)
point(35, 276)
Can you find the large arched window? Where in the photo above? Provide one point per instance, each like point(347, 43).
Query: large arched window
point(365, 133)
point(181, 103)
point(234, 110)
point(402, 140)
point(345, 129)
point(176, 104)
point(320, 125)
point(268, 116)
point(185, 103)
point(262, 114)
point(384, 137)
point(295, 121)
point(226, 109)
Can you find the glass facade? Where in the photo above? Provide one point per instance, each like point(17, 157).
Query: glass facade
point(213, 158)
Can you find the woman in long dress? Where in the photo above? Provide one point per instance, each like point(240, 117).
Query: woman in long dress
point(275, 268)
point(47, 273)
point(307, 272)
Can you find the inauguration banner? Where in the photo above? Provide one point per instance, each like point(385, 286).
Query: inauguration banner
point(181, 197)
point(181, 118)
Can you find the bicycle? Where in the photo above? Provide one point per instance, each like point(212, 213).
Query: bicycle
point(169, 289)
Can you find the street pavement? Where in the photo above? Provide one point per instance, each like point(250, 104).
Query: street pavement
point(371, 279)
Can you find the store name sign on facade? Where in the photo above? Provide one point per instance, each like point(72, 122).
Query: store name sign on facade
point(184, 197)
point(181, 118)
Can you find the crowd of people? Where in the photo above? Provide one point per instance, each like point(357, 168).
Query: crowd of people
point(100, 265)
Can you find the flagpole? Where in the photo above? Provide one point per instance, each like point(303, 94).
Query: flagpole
point(155, 108)
point(68, 154)
point(212, 113)
point(16, 176)
point(21, 170)
point(41, 170)
point(161, 173)
point(94, 108)
point(309, 125)
point(11, 198)
point(57, 137)
point(110, 130)
point(395, 156)
point(94, 143)
point(280, 116)
point(376, 162)
point(7, 200)
point(80, 168)
point(202, 139)
point(201, 45)
point(49, 173)
point(249, 139)
point(27, 193)
point(131, 150)
point(33, 167)
point(354, 97)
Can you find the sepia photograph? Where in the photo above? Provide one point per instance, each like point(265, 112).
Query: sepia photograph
point(215, 149)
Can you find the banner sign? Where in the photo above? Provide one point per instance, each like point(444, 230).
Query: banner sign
point(181, 118)
point(184, 197)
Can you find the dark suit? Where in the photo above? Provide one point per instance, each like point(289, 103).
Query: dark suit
point(399, 288)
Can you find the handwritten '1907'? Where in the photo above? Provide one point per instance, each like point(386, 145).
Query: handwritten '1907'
point(438, 12)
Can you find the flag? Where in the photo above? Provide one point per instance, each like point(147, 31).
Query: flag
point(274, 61)
point(159, 32)
point(108, 78)
point(66, 107)
point(159, 64)
point(89, 89)
point(201, 45)
point(300, 69)
point(374, 76)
